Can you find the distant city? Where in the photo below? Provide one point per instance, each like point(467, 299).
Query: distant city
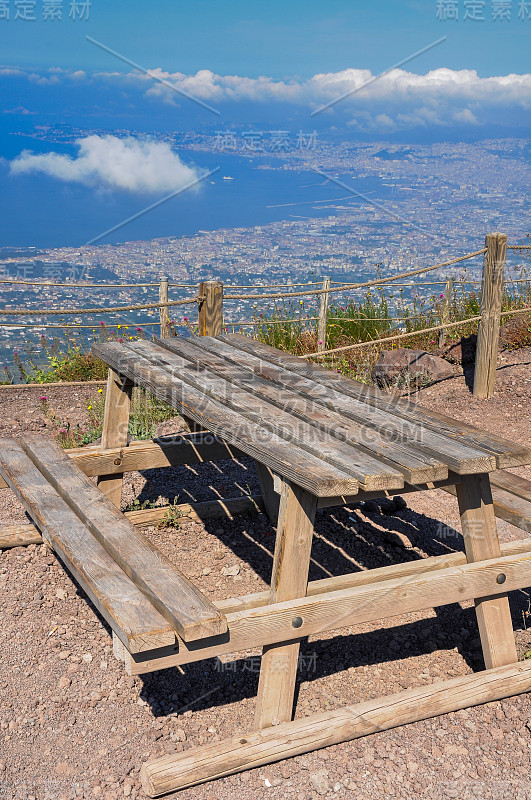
point(438, 202)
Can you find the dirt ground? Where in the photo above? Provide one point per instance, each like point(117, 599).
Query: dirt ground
point(74, 725)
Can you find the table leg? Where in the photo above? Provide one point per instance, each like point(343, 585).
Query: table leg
point(289, 580)
point(481, 543)
point(114, 433)
point(267, 485)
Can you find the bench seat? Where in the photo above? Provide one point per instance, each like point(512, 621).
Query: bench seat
point(142, 595)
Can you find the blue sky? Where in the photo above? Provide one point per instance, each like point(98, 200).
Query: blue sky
point(273, 38)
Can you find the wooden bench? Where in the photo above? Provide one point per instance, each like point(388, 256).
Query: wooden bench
point(319, 440)
point(145, 599)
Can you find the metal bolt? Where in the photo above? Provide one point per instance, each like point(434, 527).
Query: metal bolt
point(117, 461)
point(297, 622)
point(501, 578)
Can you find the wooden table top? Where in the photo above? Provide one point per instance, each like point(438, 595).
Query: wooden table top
point(327, 433)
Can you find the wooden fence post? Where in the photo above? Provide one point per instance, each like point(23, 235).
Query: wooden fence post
point(323, 312)
point(164, 318)
point(448, 290)
point(210, 308)
point(489, 325)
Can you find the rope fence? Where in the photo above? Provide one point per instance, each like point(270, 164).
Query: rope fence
point(210, 295)
point(445, 326)
point(56, 312)
point(75, 327)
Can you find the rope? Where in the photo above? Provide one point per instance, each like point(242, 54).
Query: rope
point(253, 285)
point(516, 311)
point(312, 319)
point(58, 311)
point(68, 285)
point(272, 322)
point(354, 285)
point(412, 333)
point(71, 327)
point(519, 247)
point(391, 338)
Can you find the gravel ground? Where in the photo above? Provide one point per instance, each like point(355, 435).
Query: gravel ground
point(73, 724)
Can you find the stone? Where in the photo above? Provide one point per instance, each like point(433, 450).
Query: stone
point(319, 781)
point(230, 571)
point(404, 367)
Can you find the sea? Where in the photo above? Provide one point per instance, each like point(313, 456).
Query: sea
point(40, 211)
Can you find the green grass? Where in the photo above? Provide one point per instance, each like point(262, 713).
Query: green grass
point(147, 412)
point(382, 313)
point(67, 358)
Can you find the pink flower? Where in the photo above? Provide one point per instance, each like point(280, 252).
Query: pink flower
point(43, 397)
point(102, 323)
point(139, 330)
point(441, 295)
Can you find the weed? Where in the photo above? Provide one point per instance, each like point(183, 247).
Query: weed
point(172, 517)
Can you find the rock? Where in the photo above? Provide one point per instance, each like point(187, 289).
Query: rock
point(230, 571)
point(319, 781)
point(404, 367)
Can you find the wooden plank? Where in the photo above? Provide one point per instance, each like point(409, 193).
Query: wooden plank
point(323, 315)
point(289, 580)
point(18, 536)
point(114, 432)
point(481, 542)
point(459, 457)
point(489, 324)
point(208, 509)
point(291, 462)
point(210, 308)
point(408, 488)
point(163, 310)
point(128, 612)
point(172, 451)
point(508, 507)
point(506, 452)
point(514, 484)
point(175, 597)
point(26, 533)
point(270, 498)
point(218, 759)
point(415, 589)
point(220, 358)
point(370, 473)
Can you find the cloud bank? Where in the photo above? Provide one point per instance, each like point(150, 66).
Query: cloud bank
point(110, 162)
point(399, 99)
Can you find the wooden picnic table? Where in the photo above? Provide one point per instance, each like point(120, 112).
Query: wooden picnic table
point(320, 439)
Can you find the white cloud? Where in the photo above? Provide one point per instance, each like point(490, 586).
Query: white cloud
point(397, 100)
point(111, 162)
point(323, 87)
